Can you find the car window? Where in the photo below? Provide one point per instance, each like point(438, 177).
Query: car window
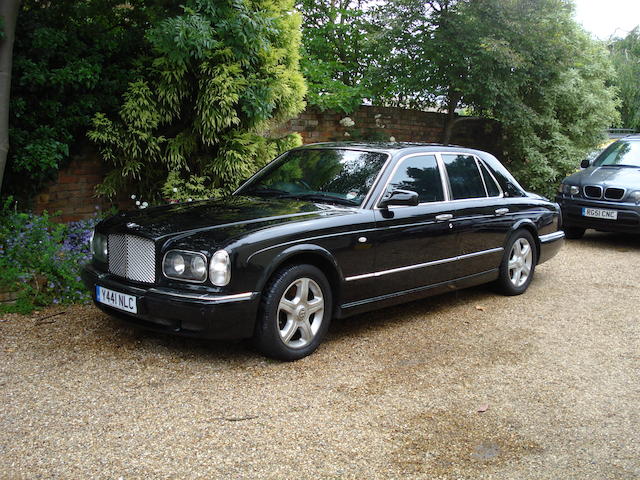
point(489, 182)
point(419, 174)
point(339, 175)
point(622, 153)
point(464, 177)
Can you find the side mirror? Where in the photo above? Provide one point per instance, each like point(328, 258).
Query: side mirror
point(586, 163)
point(399, 197)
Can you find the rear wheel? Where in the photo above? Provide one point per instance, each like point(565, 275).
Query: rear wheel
point(573, 233)
point(295, 313)
point(519, 263)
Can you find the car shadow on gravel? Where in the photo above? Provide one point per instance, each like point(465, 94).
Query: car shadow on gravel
point(621, 242)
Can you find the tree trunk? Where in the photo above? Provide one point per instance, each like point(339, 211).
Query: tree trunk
point(9, 14)
point(450, 121)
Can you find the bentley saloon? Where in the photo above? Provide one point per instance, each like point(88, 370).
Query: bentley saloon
point(324, 231)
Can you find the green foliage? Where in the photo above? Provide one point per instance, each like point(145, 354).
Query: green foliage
point(194, 124)
point(625, 54)
point(40, 259)
point(341, 52)
point(71, 59)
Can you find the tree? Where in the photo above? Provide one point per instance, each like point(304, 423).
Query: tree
point(71, 59)
point(524, 63)
point(8, 16)
point(625, 54)
point(195, 122)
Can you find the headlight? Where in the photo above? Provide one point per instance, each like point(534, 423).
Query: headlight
point(99, 247)
point(635, 196)
point(220, 268)
point(186, 266)
point(569, 189)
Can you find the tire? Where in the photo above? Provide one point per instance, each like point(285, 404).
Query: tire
point(295, 312)
point(573, 233)
point(518, 264)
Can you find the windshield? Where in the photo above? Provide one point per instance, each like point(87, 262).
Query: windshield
point(620, 153)
point(324, 175)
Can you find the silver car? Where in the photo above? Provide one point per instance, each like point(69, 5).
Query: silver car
point(605, 195)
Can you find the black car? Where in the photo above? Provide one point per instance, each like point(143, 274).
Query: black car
point(324, 231)
point(605, 195)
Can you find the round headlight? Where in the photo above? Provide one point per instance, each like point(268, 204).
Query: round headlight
point(574, 190)
point(220, 268)
point(635, 196)
point(177, 263)
point(198, 267)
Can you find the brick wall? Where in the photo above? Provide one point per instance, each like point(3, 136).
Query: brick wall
point(72, 193)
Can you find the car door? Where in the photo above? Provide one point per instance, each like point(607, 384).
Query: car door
point(415, 245)
point(481, 215)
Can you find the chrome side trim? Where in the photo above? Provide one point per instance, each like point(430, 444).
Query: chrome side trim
point(204, 297)
point(551, 237)
point(423, 265)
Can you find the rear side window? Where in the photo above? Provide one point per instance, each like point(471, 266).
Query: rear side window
point(489, 182)
point(464, 177)
point(419, 174)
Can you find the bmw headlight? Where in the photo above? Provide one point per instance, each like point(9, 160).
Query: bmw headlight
point(186, 266)
point(220, 268)
point(99, 247)
point(569, 189)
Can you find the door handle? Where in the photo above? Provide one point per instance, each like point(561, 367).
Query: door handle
point(443, 217)
point(502, 211)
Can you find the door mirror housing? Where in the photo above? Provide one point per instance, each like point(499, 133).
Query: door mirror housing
point(399, 197)
point(586, 163)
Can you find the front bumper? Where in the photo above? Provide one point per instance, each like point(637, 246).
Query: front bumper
point(628, 220)
point(211, 316)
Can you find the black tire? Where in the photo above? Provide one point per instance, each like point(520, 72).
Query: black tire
point(573, 233)
point(514, 260)
point(285, 329)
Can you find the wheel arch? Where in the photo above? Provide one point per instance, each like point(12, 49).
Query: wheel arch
point(527, 224)
point(310, 255)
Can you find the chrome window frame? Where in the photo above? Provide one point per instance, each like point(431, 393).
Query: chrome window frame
point(444, 178)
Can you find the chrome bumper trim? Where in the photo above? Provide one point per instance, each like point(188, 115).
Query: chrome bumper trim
point(422, 265)
point(205, 297)
point(551, 237)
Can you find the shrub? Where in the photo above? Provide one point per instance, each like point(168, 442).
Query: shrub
point(40, 259)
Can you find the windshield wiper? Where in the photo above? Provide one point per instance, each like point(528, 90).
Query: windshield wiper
point(322, 197)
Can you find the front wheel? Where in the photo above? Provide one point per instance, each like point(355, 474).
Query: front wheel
point(519, 263)
point(295, 313)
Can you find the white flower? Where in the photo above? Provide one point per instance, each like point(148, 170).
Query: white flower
point(377, 115)
point(392, 139)
point(190, 200)
point(145, 204)
point(347, 122)
point(347, 134)
point(175, 189)
point(138, 202)
point(133, 197)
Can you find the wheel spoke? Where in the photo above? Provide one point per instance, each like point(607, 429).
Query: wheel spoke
point(513, 263)
point(288, 306)
point(306, 334)
point(303, 289)
point(315, 305)
point(289, 330)
point(526, 268)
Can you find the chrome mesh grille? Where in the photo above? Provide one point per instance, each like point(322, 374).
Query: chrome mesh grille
point(132, 257)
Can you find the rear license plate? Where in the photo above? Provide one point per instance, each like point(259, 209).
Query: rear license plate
point(600, 213)
point(118, 300)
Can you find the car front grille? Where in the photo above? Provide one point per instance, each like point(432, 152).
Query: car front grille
point(593, 191)
point(132, 257)
point(613, 193)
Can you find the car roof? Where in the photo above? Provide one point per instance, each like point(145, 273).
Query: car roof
point(386, 147)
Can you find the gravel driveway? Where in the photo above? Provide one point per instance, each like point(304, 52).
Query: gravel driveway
point(464, 386)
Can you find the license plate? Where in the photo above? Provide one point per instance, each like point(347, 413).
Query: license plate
point(600, 213)
point(118, 300)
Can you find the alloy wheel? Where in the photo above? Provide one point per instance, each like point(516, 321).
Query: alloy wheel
point(520, 261)
point(300, 313)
